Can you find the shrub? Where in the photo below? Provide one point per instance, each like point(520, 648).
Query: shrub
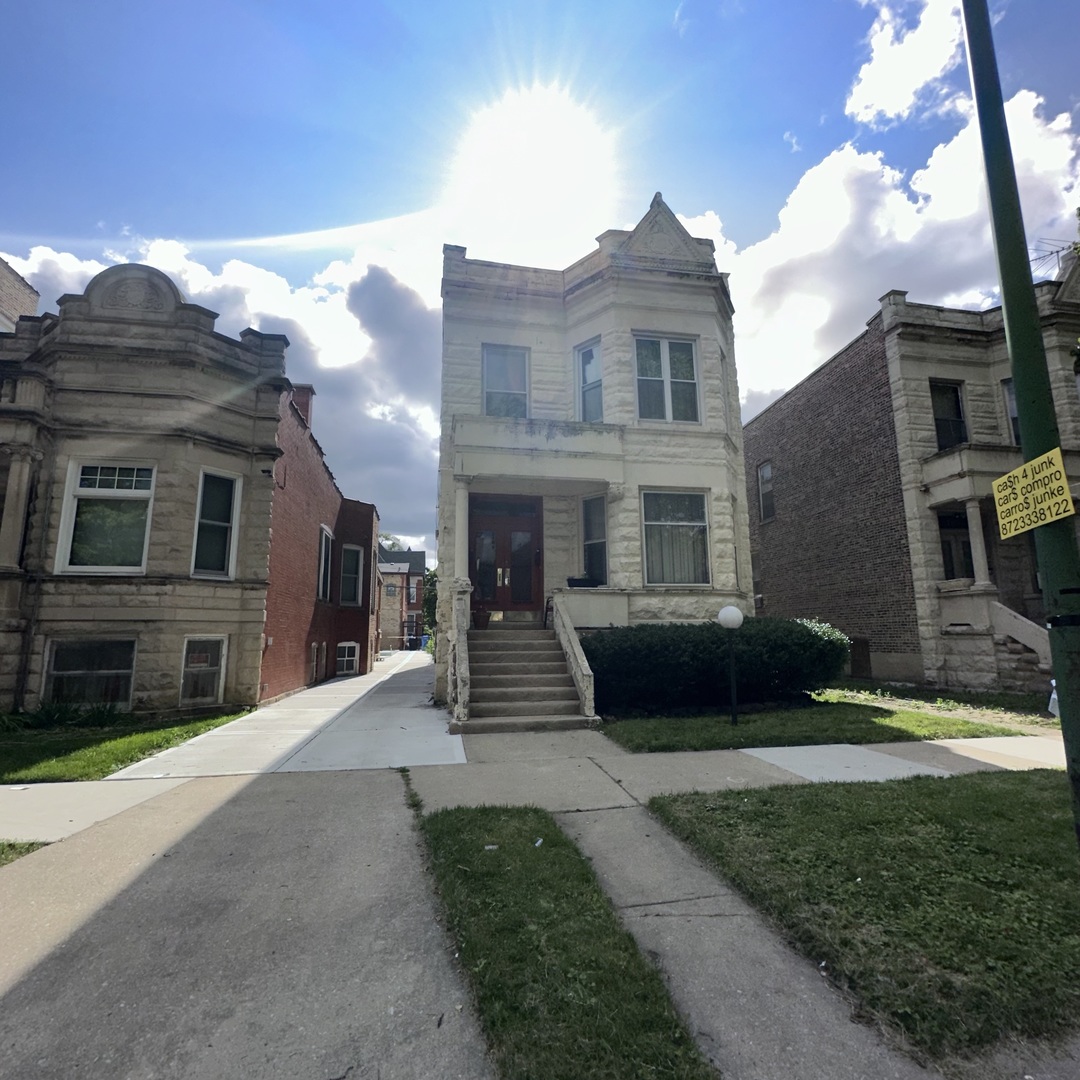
point(52, 715)
point(674, 667)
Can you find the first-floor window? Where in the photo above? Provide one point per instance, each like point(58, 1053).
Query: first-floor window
point(106, 518)
point(326, 542)
point(594, 538)
point(90, 673)
point(676, 538)
point(347, 652)
point(214, 533)
point(204, 665)
point(314, 662)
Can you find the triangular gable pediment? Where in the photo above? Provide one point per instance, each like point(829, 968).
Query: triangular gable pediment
point(1069, 293)
point(660, 240)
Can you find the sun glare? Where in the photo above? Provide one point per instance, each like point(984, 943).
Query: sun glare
point(534, 179)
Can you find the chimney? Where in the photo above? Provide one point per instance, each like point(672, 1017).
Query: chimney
point(302, 393)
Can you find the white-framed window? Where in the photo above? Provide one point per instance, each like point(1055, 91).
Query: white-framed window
point(90, 672)
point(391, 589)
point(314, 662)
point(1009, 392)
point(105, 520)
point(347, 655)
point(946, 400)
point(590, 383)
point(766, 503)
point(203, 676)
point(352, 562)
point(214, 550)
point(676, 538)
point(666, 379)
point(326, 547)
point(594, 537)
point(506, 380)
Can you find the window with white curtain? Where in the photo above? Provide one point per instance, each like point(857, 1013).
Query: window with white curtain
point(676, 538)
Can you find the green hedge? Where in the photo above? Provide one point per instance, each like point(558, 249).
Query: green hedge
point(676, 667)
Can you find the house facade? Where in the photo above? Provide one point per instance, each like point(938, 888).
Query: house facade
point(170, 535)
point(870, 488)
point(591, 447)
point(401, 609)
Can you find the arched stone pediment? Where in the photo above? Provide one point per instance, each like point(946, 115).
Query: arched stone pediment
point(135, 290)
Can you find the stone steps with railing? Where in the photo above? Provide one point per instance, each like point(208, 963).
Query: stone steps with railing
point(519, 682)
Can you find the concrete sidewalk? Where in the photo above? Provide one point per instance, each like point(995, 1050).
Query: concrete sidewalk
point(280, 918)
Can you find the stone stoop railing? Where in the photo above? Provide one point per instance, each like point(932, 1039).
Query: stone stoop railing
point(582, 674)
point(1012, 624)
point(457, 674)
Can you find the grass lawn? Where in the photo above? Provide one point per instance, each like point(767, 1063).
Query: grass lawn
point(57, 754)
point(10, 850)
point(561, 988)
point(950, 909)
point(825, 722)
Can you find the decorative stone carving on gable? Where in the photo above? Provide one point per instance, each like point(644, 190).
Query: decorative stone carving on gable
point(661, 242)
point(140, 291)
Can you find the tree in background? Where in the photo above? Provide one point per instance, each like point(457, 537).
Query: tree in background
point(430, 582)
point(391, 542)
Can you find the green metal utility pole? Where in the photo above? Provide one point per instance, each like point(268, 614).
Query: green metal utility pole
point(1055, 543)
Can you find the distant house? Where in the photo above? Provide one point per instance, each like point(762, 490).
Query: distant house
point(591, 449)
point(870, 488)
point(401, 618)
point(170, 535)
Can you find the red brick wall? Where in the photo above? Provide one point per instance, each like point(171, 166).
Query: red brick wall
point(836, 548)
point(358, 524)
point(305, 498)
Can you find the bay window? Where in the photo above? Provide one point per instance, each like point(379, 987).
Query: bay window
point(676, 538)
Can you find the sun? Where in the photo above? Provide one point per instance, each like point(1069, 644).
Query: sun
point(534, 179)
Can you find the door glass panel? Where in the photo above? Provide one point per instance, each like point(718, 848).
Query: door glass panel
point(521, 566)
point(484, 582)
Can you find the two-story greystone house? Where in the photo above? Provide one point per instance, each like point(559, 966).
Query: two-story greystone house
point(870, 484)
point(170, 536)
point(591, 452)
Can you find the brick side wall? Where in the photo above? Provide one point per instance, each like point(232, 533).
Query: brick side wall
point(836, 548)
point(305, 498)
point(358, 524)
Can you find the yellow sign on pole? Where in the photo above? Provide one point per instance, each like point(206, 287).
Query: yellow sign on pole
point(1033, 495)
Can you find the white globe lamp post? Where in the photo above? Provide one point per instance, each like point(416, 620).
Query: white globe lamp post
point(731, 618)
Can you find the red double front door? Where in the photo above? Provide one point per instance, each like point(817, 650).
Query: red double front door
point(506, 552)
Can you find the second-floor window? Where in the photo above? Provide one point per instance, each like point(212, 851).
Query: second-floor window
point(591, 383)
point(107, 518)
point(352, 558)
point(506, 380)
point(214, 547)
point(765, 491)
point(326, 544)
point(666, 380)
point(1010, 409)
point(948, 414)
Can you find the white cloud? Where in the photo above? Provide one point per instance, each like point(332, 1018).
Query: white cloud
point(852, 230)
point(906, 66)
point(792, 141)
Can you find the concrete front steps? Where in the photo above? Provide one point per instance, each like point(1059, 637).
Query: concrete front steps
point(518, 682)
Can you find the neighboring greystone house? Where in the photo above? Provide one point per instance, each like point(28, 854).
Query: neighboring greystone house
point(401, 618)
point(170, 537)
point(591, 448)
point(871, 484)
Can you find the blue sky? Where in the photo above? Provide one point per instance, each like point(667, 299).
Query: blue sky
point(298, 167)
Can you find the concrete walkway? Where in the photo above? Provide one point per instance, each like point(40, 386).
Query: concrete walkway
point(277, 921)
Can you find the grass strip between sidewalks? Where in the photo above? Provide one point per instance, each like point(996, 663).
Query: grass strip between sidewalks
point(10, 850)
point(950, 908)
point(560, 986)
point(814, 725)
point(55, 755)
